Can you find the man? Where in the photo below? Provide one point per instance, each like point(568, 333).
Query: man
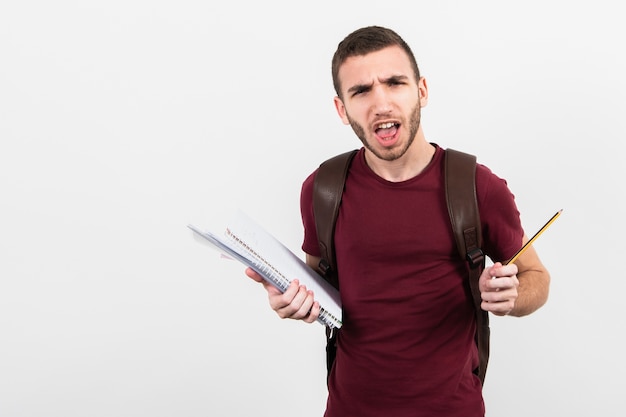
point(406, 347)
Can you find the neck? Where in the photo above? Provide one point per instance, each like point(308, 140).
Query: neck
point(409, 165)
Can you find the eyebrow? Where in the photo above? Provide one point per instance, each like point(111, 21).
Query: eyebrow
point(366, 87)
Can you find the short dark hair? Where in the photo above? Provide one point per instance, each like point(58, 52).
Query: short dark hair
point(364, 41)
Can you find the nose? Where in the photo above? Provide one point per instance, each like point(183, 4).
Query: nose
point(381, 101)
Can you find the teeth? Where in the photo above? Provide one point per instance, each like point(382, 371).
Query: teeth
point(386, 125)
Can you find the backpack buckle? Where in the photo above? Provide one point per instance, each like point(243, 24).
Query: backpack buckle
point(475, 257)
point(324, 266)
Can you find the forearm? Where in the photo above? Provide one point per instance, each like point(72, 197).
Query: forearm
point(532, 291)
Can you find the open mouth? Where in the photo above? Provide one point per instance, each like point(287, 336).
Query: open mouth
point(387, 131)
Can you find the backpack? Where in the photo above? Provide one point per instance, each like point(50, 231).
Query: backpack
point(460, 170)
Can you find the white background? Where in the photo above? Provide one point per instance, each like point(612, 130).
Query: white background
point(123, 121)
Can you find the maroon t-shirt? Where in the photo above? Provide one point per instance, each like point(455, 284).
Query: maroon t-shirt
point(406, 347)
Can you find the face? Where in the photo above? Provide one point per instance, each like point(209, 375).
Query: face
point(382, 101)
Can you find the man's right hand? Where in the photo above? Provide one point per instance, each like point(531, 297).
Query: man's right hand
point(296, 302)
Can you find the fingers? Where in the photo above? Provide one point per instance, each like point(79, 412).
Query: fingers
point(499, 286)
point(314, 313)
point(295, 303)
point(498, 270)
point(499, 302)
point(258, 278)
point(253, 274)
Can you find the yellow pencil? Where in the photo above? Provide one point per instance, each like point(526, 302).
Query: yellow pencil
point(530, 242)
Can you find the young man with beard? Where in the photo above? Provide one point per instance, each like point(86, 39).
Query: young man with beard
point(406, 347)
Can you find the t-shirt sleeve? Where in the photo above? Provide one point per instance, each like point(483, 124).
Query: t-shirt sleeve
point(500, 217)
point(310, 244)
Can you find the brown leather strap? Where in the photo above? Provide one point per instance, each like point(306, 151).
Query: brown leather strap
point(460, 186)
point(465, 219)
point(327, 190)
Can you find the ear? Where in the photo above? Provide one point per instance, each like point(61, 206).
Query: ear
point(422, 87)
point(341, 110)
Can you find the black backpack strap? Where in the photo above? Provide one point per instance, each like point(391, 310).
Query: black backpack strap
point(460, 177)
point(327, 190)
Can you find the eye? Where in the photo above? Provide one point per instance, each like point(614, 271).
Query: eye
point(396, 81)
point(359, 91)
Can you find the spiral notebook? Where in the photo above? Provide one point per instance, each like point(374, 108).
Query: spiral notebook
point(247, 242)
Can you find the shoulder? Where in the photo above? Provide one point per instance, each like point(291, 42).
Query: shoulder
point(309, 180)
point(499, 214)
point(489, 185)
point(331, 169)
point(306, 192)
